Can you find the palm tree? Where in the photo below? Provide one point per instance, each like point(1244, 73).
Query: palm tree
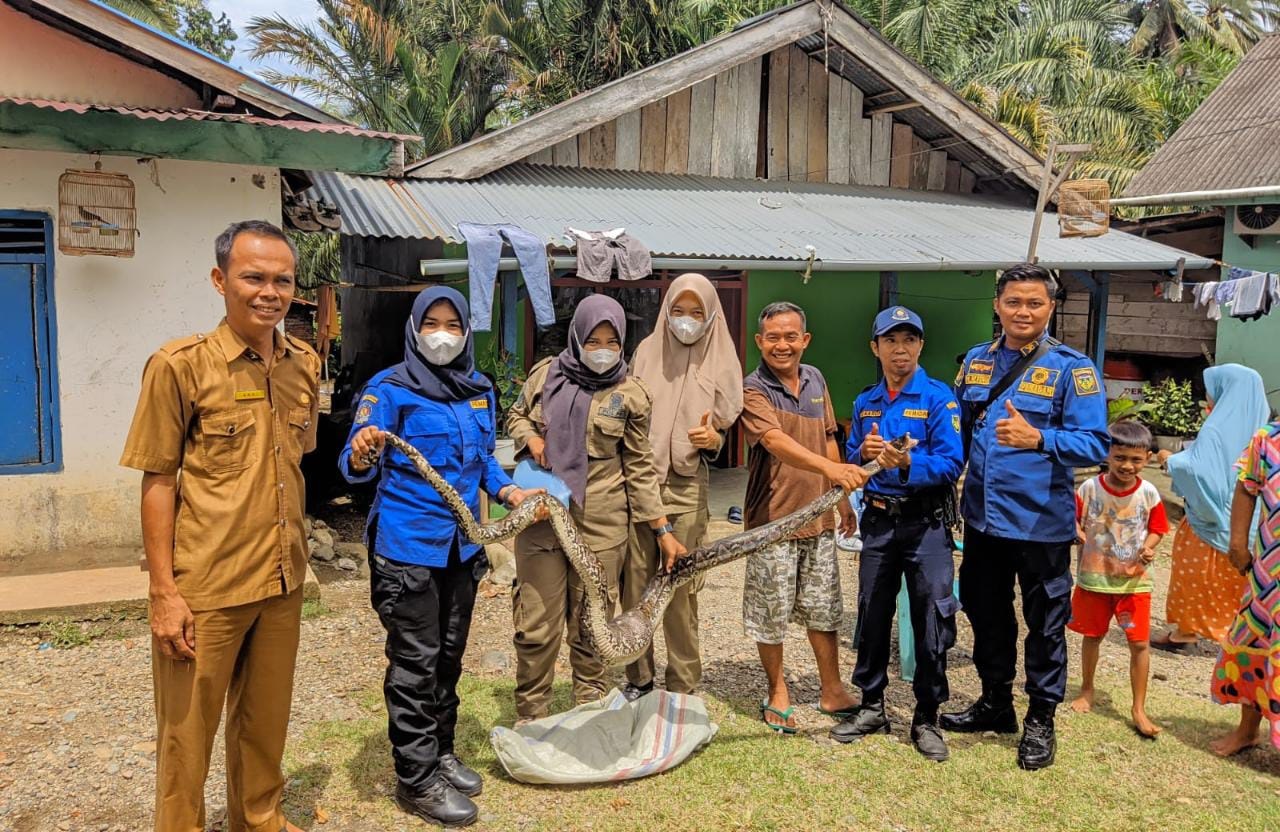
point(162, 14)
point(413, 66)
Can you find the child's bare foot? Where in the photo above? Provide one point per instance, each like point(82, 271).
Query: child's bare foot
point(1235, 742)
point(1083, 703)
point(1143, 725)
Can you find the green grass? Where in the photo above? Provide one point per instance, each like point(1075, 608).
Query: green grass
point(747, 778)
point(314, 608)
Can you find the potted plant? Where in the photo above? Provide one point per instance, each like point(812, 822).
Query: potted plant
point(508, 377)
point(1171, 412)
point(1125, 408)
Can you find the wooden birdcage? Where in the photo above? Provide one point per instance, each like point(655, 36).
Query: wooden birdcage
point(1084, 208)
point(96, 213)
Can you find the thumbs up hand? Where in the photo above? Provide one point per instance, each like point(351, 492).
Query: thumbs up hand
point(703, 436)
point(1014, 431)
point(873, 443)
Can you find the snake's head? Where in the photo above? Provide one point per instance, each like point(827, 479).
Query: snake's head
point(905, 442)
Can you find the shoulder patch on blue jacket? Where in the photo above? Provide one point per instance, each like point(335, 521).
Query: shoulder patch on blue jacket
point(1086, 381)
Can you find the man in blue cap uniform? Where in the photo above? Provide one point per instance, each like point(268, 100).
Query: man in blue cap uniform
point(1032, 411)
point(905, 528)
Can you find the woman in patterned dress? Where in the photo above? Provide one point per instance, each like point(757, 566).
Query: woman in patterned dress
point(1248, 671)
point(1204, 589)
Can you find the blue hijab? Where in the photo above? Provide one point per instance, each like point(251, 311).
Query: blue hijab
point(453, 382)
point(1204, 475)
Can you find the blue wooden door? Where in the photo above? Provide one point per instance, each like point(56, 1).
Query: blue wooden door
point(28, 393)
point(20, 400)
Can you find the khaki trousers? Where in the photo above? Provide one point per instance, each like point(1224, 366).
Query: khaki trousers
point(244, 656)
point(548, 599)
point(680, 621)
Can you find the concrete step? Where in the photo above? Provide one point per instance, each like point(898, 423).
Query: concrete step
point(87, 594)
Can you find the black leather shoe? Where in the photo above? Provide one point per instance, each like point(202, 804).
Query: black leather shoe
point(870, 719)
point(982, 715)
point(929, 741)
point(1039, 745)
point(633, 692)
point(439, 803)
point(460, 776)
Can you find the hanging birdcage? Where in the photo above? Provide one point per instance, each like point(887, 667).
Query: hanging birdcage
point(96, 213)
point(1084, 208)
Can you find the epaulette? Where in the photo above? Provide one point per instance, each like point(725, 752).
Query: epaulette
point(644, 388)
point(177, 345)
point(298, 343)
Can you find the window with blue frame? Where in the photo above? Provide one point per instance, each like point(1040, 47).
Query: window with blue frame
point(29, 440)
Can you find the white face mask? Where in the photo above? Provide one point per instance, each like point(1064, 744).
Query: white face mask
point(688, 329)
point(601, 361)
point(441, 347)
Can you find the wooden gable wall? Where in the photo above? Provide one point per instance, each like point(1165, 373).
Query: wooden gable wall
point(816, 126)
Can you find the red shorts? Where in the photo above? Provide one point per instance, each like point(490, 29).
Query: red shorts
point(1091, 613)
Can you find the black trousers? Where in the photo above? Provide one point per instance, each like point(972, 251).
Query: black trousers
point(1043, 571)
point(920, 549)
point(426, 612)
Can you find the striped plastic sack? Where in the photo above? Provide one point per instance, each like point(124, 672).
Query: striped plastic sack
point(608, 740)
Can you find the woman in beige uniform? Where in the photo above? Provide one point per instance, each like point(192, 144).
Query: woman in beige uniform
point(582, 418)
point(691, 366)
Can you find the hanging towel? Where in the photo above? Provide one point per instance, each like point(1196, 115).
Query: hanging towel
point(599, 252)
point(1253, 295)
point(484, 249)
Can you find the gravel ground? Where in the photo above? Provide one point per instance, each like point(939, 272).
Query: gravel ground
point(77, 742)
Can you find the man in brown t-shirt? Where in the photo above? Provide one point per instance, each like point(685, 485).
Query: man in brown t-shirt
point(790, 426)
point(222, 423)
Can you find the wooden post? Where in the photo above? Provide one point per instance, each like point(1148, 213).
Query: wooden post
point(1049, 185)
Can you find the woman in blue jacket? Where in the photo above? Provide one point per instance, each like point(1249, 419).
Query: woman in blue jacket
point(424, 571)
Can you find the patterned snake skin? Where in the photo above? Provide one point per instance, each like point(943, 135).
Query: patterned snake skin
point(624, 638)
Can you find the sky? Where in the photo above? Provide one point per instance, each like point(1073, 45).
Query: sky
point(242, 11)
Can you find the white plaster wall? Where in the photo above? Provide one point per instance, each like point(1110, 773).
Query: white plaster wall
point(112, 313)
point(38, 61)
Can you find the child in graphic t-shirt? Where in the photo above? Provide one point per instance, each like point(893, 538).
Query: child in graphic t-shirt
point(1120, 520)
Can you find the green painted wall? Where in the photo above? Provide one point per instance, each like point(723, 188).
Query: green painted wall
point(1252, 343)
point(841, 306)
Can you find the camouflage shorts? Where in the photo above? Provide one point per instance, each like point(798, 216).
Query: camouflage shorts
point(795, 580)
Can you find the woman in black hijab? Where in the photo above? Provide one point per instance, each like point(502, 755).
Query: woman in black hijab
point(580, 416)
point(423, 569)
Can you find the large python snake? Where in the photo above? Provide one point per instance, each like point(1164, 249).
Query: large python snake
point(623, 638)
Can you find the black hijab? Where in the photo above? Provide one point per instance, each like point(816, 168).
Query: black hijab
point(566, 394)
point(453, 382)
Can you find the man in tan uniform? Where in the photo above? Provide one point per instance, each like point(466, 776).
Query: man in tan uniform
point(222, 423)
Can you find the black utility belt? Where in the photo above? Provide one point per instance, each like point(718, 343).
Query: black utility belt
point(927, 504)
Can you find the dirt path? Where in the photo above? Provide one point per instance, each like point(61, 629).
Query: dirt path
point(77, 742)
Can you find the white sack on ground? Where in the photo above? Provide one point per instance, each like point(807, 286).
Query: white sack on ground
point(608, 740)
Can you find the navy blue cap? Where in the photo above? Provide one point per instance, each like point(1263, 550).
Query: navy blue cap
point(896, 316)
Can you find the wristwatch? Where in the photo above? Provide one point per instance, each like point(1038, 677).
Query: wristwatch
point(664, 529)
point(1040, 444)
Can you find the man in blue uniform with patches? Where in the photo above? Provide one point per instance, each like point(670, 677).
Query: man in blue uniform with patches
point(1032, 411)
point(905, 528)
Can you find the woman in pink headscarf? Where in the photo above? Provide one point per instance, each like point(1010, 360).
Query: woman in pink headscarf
point(690, 366)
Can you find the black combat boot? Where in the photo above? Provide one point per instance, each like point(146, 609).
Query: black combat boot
point(633, 692)
point(460, 776)
point(438, 803)
point(925, 735)
point(870, 719)
point(1039, 745)
point(992, 712)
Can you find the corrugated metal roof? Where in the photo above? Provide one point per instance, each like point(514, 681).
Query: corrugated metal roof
point(1231, 141)
point(202, 115)
point(692, 216)
point(104, 22)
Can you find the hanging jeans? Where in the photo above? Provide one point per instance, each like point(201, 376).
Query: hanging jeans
point(484, 249)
